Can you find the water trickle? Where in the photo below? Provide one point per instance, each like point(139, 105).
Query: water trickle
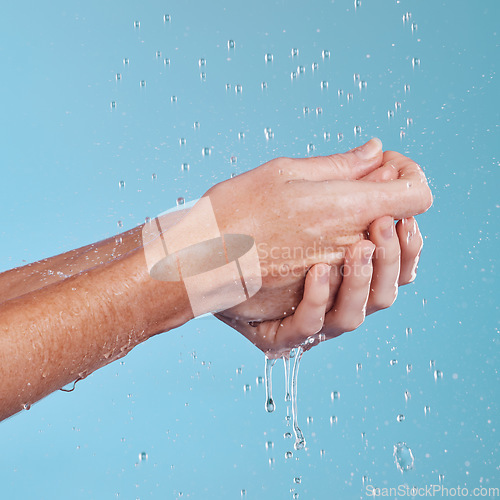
point(72, 388)
point(286, 362)
point(403, 457)
point(299, 437)
point(269, 384)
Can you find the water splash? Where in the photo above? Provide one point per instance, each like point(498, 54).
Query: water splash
point(270, 406)
point(300, 441)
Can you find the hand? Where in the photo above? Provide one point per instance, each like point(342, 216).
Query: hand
point(308, 211)
point(372, 272)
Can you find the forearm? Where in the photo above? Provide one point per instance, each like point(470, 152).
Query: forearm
point(21, 280)
point(69, 329)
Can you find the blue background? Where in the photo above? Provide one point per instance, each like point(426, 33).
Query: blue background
point(180, 397)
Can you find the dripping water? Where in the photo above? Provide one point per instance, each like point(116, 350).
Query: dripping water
point(286, 362)
point(269, 385)
point(300, 442)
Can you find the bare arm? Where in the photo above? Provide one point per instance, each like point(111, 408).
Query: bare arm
point(70, 328)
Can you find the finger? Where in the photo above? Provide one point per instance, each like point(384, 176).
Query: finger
point(348, 311)
point(411, 242)
point(387, 172)
point(309, 315)
point(386, 265)
point(348, 166)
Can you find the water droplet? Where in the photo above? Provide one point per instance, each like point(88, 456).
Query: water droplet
point(118, 76)
point(119, 223)
point(243, 493)
point(349, 97)
point(326, 136)
point(241, 135)
point(268, 133)
point(324, 84)
point(166, 61)
point(238, 88)
point(182, 141)
point(340, 136)
point(438, 374)
point(400, 418)
point(269, 58)
point(322, 453)
point(427, 410)
point(333, 419)
point(137, 24)
point(432, 363)
point(390, 114)
point(121, 184)
point(408, 368)
point(234, 160)
point(357, 130)
point(397, 105)
point(158, 54)
point(293, 75)
point(288, 454)
point(112, 105)
point(180, 201)
point(409, 122)
point(271, 462)
point(143, 456)
point(295, 52)
point(414, 26)
point(125, 61)
point(340, 92)
point(173, 98)
point(239, 370)
point(259, 380)
point(314, 66)
point(325, 54)
point(147, 220)
point(263, 85)
point(359, 367)
point(297, 480)
point(269, 384)
point(26, 406)
point(167, 18)
point(409, 331)
point(357, 3)
point(441, 478)
point(269, 445)
point(319, 111)
point(287, 435)
point(203, 76)
point(201, 62)
point(185, 167)
point(309, 420)
point(393, 362)
point(310, 148)
point(206, 151)
point(247, 387)
point(362, 85)
point(402, 134)
point(407, 88)
point(305, 110)
point(415, 62)
point(407, 395)
point(301, 70)
point(142, 83)
point(334, 395)
point(403, 457)
point(230, 44)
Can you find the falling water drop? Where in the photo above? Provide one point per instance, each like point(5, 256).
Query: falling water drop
point(314, 66)
point(167, 18)
point(415, 62)
point(357, 130)
point(137, 24)
point(407, 395)
point(269, 58)
point(143, 456)
point(185, 167)
point(269, 384)
point(400, 418)
point(324, 84)
point(180, 201)
point(403, 457)
point(182, 141)
point(206, 151)
point(340, 136)
point(269, 445)
point(173, 98)
point(230, 44)
point(325, 54)
point(349, 97)
point(295, 52)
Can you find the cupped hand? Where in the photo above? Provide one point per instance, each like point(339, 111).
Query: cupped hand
point(302, 212)
point(369, 280)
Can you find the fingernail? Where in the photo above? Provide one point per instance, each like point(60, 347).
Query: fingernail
point(388, 230)
point(369, 150)
point(324, 274)
point(367, 255)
